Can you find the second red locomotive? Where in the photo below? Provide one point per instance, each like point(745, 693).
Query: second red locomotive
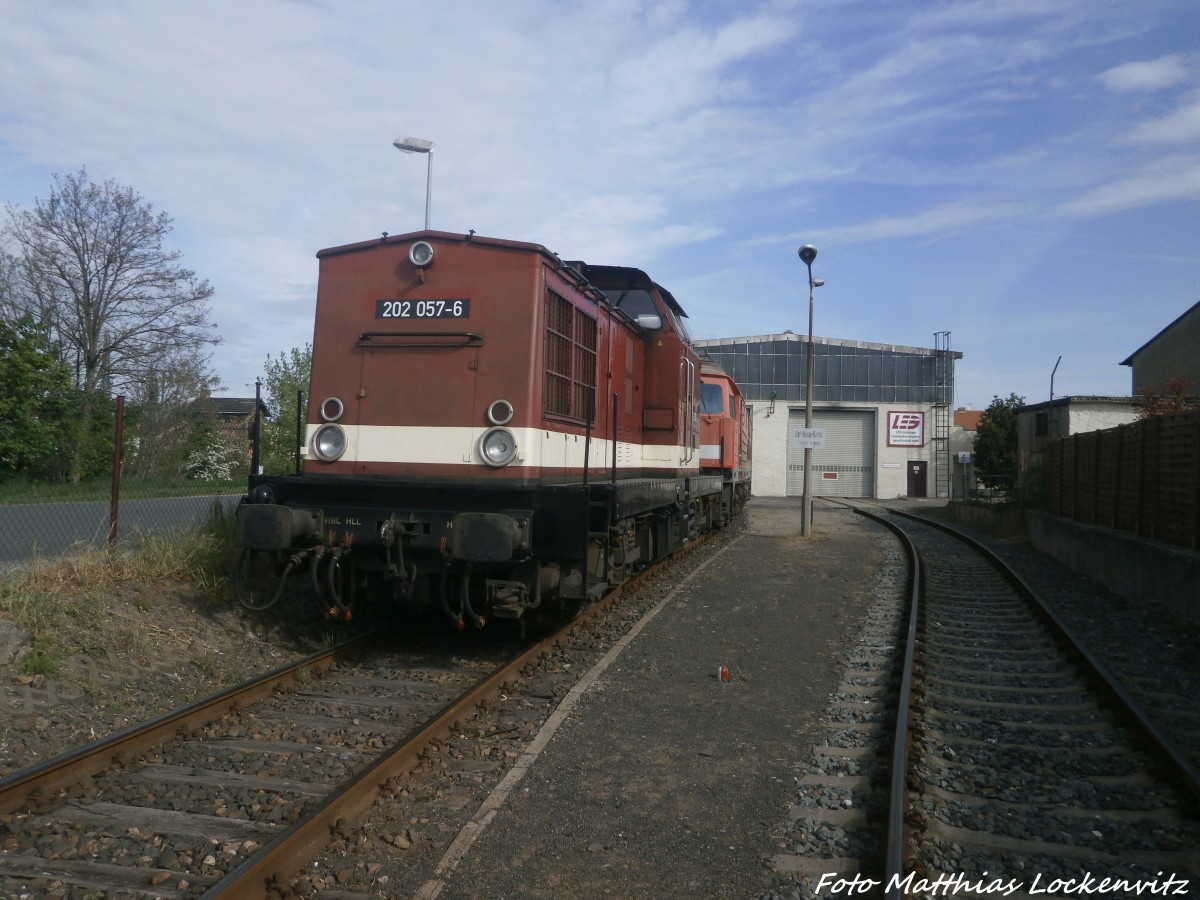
point(725, 435)
point(490, 430)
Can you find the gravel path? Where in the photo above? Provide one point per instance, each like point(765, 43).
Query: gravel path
point(666, 781)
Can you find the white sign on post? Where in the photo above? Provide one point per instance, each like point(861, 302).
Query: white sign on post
point(808, 439)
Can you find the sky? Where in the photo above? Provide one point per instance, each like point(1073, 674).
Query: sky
point(1024, 174)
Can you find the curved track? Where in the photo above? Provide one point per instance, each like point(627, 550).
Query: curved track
point(1015, 751)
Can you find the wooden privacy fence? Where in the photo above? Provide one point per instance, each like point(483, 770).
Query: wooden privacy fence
point(1143, 477)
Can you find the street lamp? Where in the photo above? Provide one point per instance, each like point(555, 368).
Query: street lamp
point(418, 145)
point(807, 254)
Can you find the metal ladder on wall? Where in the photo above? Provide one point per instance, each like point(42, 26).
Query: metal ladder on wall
point(943, 393)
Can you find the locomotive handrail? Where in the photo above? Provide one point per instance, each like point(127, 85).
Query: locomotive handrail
point(689, 395)
point(469, 337)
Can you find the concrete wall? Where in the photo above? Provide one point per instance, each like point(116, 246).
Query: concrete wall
point(1138, 569)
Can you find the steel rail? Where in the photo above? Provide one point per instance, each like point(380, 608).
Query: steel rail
point(1126, 704)
point(32, 785)
point(896, 838)
point(281, 857)
point(272, 866)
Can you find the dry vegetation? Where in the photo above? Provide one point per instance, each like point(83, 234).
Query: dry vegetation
point(93, 641)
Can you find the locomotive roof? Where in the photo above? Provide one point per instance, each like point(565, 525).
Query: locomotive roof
point(435, 235)
point(603, 277)
point(618, 278)
point(709, 366)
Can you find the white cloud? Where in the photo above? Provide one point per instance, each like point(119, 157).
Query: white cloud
point(653, 133)
point(1150, 75)
point(1181, 126)
point(951, 217)
point(1171, 180)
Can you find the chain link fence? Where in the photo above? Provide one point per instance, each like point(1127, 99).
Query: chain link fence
point(168, 470)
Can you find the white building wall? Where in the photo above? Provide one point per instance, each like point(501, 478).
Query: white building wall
point(1085, 416)
point(891, 469)
point(770, 450)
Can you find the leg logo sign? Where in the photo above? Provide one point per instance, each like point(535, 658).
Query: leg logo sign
point(906, 429)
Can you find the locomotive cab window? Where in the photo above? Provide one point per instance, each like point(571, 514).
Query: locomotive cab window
point(636, 302)
point(711, 399)
point(633, 302)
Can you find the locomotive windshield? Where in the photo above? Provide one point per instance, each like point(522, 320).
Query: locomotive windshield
point(633, 302)
point(711, 399)
point(632, 292)
point(636, 302)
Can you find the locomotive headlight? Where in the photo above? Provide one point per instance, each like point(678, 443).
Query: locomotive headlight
point(329, 443)
point(498, 446)
point(420, 254)
point(500, 412)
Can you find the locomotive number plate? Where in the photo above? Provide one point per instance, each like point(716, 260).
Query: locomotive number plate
point(423, 309)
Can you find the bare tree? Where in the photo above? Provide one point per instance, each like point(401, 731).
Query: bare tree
point(91, 266)
point(10, 309)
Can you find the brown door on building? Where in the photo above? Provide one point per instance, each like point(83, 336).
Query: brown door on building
point(917, 478)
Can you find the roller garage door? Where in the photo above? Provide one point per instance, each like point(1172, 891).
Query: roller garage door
point(846, 467)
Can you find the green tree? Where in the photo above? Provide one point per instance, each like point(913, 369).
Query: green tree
point(286, 376)
point(996, 443)
point(36, 399)
point(93, 268)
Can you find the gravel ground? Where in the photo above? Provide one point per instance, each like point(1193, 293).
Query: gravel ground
point(665, 781)
point(661, 771)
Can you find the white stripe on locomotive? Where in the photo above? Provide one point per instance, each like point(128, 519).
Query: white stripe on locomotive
point(439, 445)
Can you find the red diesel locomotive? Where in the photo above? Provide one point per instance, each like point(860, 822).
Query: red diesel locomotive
point(725, 435)
point(490, 430)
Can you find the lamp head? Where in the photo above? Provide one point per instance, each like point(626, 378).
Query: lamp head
point(413, 145)
point(808, 253)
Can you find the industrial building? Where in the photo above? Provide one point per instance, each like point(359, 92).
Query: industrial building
point(884, 409)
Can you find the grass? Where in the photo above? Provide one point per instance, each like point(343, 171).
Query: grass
point(68, 603)
point(41, 660)
point(23, 491)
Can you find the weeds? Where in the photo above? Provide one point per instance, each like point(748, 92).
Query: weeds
point(66, 602)
point(40, 660)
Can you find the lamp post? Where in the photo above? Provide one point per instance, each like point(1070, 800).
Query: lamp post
point(419, 145)
point(807, 254)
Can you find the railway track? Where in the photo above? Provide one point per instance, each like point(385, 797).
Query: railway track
point(228, 792)
point(1002, 755)
point(1025, 763)
point(231, 796)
